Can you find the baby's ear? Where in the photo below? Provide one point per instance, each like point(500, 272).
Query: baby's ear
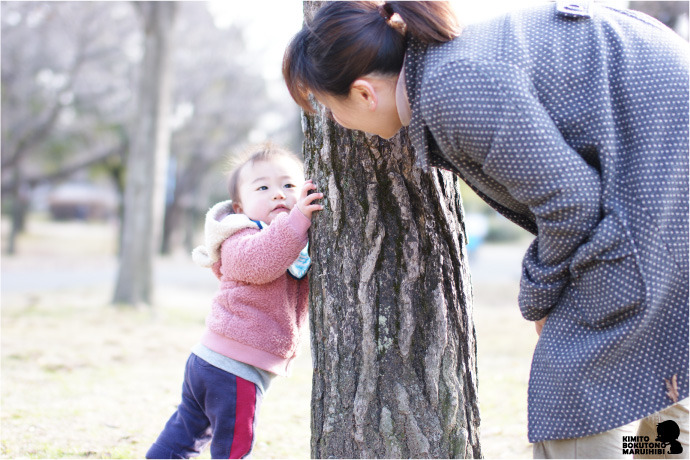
point(237, 208)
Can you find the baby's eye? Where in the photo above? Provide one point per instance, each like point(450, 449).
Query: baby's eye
point(290, 186)
point(263, 187)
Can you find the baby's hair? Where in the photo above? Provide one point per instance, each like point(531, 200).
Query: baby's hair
point(256, 153)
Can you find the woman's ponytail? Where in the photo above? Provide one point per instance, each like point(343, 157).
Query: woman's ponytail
point(428, 22)
point(347, 40)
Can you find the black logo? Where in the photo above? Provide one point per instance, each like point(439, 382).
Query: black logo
point(667, 434)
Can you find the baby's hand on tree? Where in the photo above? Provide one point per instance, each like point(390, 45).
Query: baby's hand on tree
point(305, 203)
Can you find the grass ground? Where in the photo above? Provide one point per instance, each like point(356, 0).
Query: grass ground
point(83, 379)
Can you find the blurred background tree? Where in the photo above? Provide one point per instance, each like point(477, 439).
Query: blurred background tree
point(70, 72)
point(218, 102)
point(65, 94)
point(673, 14)
point(147, 159)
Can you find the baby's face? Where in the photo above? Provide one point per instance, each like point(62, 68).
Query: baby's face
point(268, 188)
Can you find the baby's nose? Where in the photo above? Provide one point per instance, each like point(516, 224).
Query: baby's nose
point(279, 195)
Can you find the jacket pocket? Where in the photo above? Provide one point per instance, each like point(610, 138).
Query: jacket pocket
point(606, 285)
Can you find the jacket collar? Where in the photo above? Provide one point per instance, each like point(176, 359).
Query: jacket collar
point(402, 102)
point(413, 68)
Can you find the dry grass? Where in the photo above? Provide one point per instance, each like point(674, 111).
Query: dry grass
point(81, 378)
point(505, 342)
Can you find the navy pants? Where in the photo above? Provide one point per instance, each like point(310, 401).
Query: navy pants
point(216, 406)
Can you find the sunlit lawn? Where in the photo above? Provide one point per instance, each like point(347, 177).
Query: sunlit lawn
point(81, 378)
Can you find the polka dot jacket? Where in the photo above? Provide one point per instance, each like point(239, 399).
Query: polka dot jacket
point(576, 128)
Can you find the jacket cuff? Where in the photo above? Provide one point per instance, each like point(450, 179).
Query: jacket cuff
point(541, 286)
point(537, 300)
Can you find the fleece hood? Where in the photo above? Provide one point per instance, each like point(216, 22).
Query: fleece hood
point(221, 222)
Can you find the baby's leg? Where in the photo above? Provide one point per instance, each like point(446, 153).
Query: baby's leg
point(233, 421)
point(188, 430)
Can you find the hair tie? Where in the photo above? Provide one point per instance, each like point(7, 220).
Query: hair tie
point(392, 18)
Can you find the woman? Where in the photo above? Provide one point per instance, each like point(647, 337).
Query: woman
point(572, 121)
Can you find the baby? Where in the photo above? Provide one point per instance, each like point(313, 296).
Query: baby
point(256, 244)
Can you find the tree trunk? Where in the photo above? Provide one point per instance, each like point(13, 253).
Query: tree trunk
point(189, 179)
point(392, 336)
point(19, 200)
point(147, 159)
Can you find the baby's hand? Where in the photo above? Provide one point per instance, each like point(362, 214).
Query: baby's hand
point(305, 203)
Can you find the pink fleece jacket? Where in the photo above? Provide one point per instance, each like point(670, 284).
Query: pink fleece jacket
point(260, 311)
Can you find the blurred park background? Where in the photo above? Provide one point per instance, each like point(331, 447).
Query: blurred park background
point(110, 108)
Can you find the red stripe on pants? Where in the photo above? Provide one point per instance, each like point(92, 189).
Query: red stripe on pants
point(244, 419)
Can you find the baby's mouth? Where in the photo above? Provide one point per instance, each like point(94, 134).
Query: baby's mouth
point(281, 207)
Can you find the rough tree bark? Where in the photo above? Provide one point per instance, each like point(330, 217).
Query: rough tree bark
point(392, 336)
point(147, 159)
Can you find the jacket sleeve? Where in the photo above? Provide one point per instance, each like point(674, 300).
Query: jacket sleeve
point(261, 256)
point(490, 112)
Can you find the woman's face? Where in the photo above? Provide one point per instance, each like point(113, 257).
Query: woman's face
point(373, 112)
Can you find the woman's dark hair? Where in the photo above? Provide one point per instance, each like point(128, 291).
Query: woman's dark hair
point(347, 40)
